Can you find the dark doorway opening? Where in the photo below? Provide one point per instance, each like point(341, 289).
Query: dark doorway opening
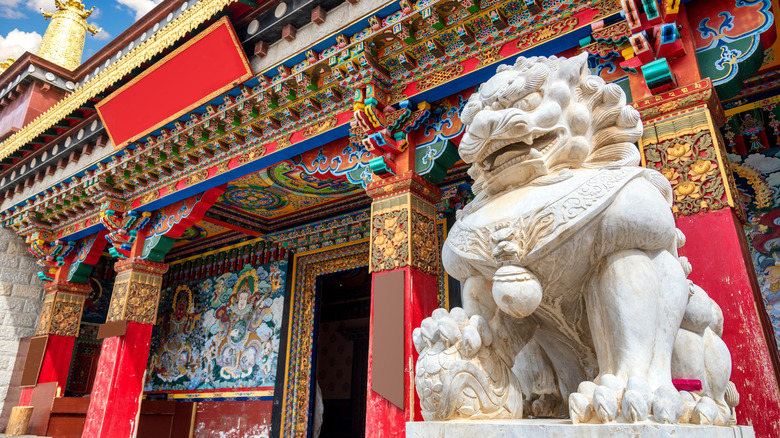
point(344, 303)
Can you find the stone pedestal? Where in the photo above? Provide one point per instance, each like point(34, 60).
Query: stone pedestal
point(564, 429)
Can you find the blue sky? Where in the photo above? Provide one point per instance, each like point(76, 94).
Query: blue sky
point(22, 25)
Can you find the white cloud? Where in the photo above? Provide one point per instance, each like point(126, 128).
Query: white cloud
point(734, 158)
point(762, 163)
point(103, 35)
point(10, 9)
point(6, 12)
point(140, 7)
point(17, 42)
point(13, 8)
point(37, 5)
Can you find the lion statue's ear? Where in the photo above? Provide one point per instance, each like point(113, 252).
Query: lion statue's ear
point(572, 69)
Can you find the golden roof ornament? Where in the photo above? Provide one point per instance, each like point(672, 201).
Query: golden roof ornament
point(63, 42)
point(7, 63)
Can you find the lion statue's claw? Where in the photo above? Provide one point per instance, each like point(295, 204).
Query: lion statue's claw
point(634, 401)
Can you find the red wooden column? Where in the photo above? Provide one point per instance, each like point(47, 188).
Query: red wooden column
point(142, 240)
point(60, 319)
point(118, 386)
point(59, 326)
point(403, 261)
point(685, 146)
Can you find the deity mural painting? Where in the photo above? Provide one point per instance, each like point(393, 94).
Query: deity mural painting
point(220, 332)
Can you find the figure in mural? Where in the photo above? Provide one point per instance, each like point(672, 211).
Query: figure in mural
point(229, 340)
point(174, 364)
point(569, 265)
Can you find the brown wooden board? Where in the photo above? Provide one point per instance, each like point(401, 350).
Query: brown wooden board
point(68, 415)
point(155, 425)
point(184, 420)
point(387, 366)
point(32, 365)
point(111, 329)
point(70, 405)
point(158, 407)
point(42, 400)
point(166, 419)
point(66, 426)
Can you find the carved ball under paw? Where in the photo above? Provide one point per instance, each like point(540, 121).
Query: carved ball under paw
point(458, 374)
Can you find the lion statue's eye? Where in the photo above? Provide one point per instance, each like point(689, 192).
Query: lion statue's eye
point(530, 102)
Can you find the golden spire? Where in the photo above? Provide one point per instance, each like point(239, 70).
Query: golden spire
point(63, 41)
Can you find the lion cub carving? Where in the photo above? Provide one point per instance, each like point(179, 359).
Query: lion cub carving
point(575, 300)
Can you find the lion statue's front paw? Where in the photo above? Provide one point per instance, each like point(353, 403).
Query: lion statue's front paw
point(459, 375)
point(611, 400)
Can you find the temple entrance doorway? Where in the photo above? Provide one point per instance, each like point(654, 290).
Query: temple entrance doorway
point(341, 353)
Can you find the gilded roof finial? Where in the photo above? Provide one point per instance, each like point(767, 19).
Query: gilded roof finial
point(7, 63)
point(63, 42)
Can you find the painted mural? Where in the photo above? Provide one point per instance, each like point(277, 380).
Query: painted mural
point(219, 332)
point(754, 151)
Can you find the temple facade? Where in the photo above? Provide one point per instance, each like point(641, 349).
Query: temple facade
point(229, 220)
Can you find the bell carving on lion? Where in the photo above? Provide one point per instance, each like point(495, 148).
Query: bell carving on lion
point(575, 300)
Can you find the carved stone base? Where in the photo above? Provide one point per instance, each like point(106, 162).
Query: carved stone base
point(564, 429)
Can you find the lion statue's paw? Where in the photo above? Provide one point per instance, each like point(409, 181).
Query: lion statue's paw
point(632, 402)
point(458, 374)
point(636, 401)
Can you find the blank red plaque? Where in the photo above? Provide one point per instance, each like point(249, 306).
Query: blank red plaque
point(203, 68)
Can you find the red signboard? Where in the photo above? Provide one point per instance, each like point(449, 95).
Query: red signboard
point(201, 69)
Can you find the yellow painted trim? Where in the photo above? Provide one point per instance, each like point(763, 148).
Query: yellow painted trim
point(753, 105)
point(291, 302)
point(443, 223)
point(220, 394)
point(716, 145)
point(156, 43)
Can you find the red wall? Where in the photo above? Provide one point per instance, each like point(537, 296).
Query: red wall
point(233, 419)
point(32, 103)
point(717, 250)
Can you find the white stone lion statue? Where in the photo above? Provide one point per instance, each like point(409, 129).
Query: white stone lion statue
point(575, 300)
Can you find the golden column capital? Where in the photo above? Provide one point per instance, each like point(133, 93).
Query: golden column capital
point(136, 291)
point(62, 308)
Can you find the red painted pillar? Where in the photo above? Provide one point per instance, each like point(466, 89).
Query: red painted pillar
point(717, 249)
point(116, 392)
point(685, 145)
point(59, 323)
point(403, 262)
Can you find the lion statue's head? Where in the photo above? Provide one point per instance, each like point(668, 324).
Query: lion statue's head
point(542, 115)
